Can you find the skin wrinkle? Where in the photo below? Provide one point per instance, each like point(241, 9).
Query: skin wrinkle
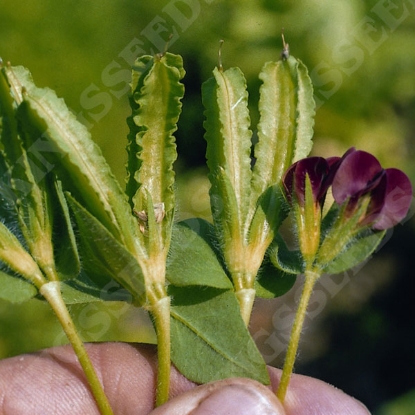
point(131, 379)
point(70, 384)
point(72, 376)
point(115, 385)
point(61, 383)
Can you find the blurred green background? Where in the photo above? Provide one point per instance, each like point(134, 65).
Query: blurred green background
point(361, 57)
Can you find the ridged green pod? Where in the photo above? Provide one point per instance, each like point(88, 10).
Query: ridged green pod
point(247, 203)
point(67, 144)
point(285, 128)
point(156, 106)
point(228, 137)
point(41, 213)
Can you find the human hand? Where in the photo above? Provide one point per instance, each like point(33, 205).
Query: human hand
point(52, 382)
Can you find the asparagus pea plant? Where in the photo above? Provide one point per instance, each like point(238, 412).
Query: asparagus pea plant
point(198, 280)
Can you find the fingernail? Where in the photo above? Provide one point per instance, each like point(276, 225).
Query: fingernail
point(236, 399)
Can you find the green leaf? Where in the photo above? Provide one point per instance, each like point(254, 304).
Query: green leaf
point(65, 141)
point(209, 339)
point(228, 142)
point(77, 294)
point(84, 290)
point(103, 256)
point(285, 128)
point(156, 106)
point(356, 252)
point(15, 289)
point(403, 404)
point(272, 282)
point(192, 259)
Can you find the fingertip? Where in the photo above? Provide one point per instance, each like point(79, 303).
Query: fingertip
point(229, 396)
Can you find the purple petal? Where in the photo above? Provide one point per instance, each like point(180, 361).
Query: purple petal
point(356, 175)
point(333, 163)
point(377, 200)
point(397, 199)
point(316, 168)
point(288, 180)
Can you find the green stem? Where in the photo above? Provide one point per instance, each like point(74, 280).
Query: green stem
point(51, 292)
point(311, 276)
point(246, 297)
point(160, 311)
point(243, 283)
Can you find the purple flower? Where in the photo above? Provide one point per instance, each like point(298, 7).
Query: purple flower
point(354, 176)
point(317, 169)
point(360, 174)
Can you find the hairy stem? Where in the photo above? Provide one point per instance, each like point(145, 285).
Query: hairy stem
point(311, 276)
point(51, 292)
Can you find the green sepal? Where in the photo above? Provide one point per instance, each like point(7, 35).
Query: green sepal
point(156, 106)
point(103, 256)
point(228, 137)
point(224, 207)
point(343, 230)
point(329, 219)
point(67, 262)
point(357, 251)
point(10, 143)
point(285, 128)
point(15, 289)
point(209, 338)
point(16, 257)
point(42, 211)
point(287, 261)
point(192, 258)
point(271, 282)
point(8, 138)
point(272, 209)
point(26, 176)
point(308, 223)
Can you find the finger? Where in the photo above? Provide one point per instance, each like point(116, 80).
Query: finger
point(229, 396)
point(52, 381)
point(305, 393)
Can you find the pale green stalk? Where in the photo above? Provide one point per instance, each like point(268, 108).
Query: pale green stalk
point(160, 312)
point(311, 276)
point(52, 294)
